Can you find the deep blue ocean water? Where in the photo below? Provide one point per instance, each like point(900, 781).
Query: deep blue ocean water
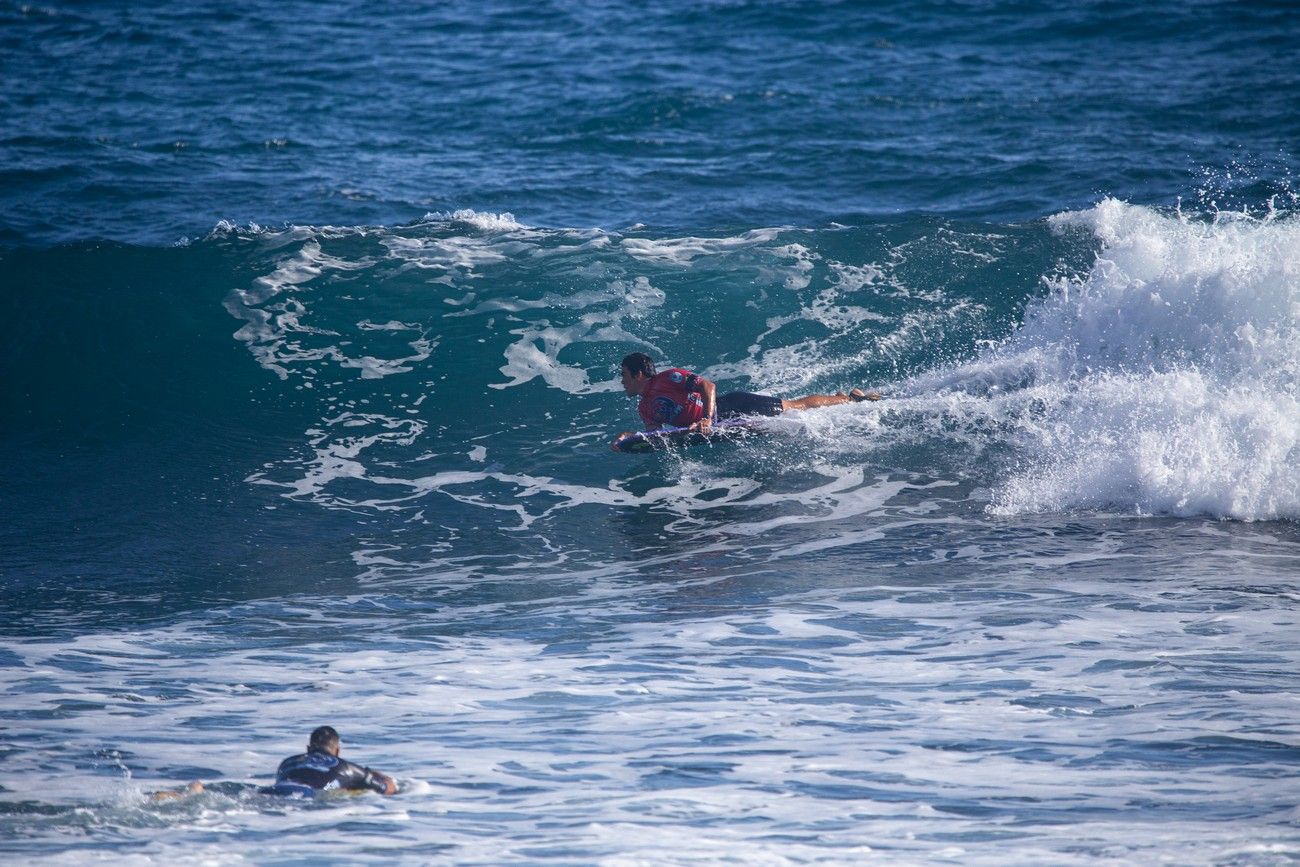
point(313, 323)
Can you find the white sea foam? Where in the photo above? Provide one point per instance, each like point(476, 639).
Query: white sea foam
point(848, 329)
point(808, 727)
point(684, 251)
point(454, 259)
point(485, 221)
point(276, 314)
point(536, 352)
point(798, 274)
point(1168, 380)
point(269, 329)
point(392, 325)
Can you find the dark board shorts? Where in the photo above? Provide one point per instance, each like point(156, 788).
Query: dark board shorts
point(745, 403)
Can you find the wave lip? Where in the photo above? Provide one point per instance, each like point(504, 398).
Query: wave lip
point(1167, 377)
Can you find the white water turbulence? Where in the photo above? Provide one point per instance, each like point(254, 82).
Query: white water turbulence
point(1162, 382)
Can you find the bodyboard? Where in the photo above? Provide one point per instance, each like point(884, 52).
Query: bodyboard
point(725, 430)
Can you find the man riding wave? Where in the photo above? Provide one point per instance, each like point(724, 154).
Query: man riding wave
point(679, 398)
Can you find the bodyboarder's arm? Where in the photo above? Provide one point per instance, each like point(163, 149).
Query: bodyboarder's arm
point(709, 391)
point(354, 776)
point(382, 783)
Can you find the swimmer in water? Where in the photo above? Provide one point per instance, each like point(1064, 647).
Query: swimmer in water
point(320, 769)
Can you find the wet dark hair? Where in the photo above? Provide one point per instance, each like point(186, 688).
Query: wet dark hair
point(639, 362)
point(323, 738)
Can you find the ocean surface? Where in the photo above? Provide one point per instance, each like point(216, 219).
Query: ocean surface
point(312, 322)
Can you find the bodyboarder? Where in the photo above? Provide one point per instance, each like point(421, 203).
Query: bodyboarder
point(680, 398)
point(320, 769)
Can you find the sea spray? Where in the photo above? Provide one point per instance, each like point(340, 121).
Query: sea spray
point(1168, 375)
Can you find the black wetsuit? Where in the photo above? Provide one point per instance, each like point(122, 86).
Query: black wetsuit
point(315, 771)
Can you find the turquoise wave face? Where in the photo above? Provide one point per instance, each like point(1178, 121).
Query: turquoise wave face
point(307, 395)
point(261, 397)
point(467, 326)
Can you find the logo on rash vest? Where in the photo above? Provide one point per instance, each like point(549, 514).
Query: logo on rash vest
point(664, 410)
point(315, 761)
point(675, 376)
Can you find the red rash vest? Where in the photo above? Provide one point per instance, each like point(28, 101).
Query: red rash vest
point(668, 399)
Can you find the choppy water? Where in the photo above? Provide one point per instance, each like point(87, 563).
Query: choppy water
point(310, 364)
